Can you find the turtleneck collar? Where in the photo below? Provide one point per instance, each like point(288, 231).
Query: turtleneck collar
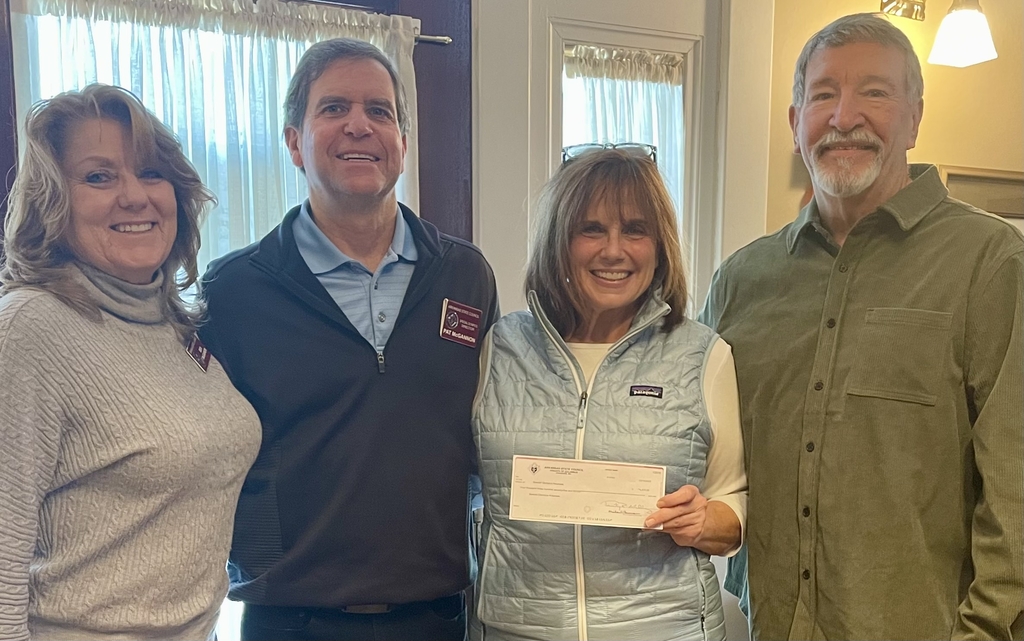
point(135, 303)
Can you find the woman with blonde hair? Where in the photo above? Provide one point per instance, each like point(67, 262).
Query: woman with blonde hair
point(124, 443)
point(606, 367)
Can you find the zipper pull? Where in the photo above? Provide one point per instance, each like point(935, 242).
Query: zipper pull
point(380, 362)
point(579, 415)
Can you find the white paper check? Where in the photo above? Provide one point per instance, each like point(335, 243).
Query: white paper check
point(559, 490)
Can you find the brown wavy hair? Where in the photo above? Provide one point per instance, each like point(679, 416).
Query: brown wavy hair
point(626, 183)
point(36, 243)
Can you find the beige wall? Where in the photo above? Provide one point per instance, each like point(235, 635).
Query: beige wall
point(972, 117)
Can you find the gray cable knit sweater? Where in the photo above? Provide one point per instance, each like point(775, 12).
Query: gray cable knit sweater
point(120, 467)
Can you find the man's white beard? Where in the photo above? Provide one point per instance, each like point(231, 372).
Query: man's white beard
point(843, 180)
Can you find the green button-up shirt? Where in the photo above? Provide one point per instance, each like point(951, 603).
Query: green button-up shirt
point(882, 398)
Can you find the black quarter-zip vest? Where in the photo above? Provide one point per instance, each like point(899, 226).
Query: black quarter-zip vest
point(359, 493)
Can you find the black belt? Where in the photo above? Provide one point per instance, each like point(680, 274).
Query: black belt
point(369, 608)
point(451, 603)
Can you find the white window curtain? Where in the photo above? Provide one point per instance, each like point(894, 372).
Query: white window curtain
point(623, 95)
point(216, 72)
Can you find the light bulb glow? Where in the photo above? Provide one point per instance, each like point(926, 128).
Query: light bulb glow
point(963, 39)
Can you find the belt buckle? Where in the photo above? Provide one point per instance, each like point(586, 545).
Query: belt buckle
point(370, 608)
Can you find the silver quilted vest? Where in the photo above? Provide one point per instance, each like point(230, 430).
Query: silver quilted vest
point(568, 582)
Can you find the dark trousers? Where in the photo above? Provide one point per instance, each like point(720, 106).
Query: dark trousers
point(443, 619)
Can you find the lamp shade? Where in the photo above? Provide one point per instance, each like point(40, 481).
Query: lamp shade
point(963, 39)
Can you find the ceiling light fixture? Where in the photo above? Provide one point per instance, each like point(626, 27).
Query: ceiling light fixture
point(964, 38)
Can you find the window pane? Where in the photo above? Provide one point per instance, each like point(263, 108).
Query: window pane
point(221, 95)
point(617, 95)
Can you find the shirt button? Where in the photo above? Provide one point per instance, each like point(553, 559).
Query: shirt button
point(843, 268)
point(831, 323)
point(810, 447)
point(382, 317)
point(818, 386)
point(807, 574)
point(806, 511)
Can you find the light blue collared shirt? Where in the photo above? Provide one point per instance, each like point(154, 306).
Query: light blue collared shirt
point(370, 301)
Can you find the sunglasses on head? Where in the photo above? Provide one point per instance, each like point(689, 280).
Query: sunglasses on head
point(640, 150)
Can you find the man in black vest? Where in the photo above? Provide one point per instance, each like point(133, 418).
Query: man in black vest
point(353, 330)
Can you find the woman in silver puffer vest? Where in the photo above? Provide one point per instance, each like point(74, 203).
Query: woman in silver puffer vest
point(606, 367)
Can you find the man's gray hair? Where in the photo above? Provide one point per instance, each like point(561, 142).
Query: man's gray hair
point(860, 27)
point(321, 55)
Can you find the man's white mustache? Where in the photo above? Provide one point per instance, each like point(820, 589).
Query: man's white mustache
point(856, 137)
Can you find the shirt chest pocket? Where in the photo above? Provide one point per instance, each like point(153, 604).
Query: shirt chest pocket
point(900, 354)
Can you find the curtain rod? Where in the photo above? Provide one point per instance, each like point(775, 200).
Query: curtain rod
point(433, 40)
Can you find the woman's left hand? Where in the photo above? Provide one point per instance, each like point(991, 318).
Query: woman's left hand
point(682, 514)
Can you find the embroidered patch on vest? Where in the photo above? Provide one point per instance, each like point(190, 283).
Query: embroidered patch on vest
point(645, 390)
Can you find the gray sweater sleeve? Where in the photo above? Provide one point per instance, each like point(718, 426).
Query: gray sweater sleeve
point(30, 426)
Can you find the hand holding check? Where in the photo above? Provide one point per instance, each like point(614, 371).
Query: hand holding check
point(682, 515)
point(693, 521)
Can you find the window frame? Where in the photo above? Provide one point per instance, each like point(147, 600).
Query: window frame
point(8, 118)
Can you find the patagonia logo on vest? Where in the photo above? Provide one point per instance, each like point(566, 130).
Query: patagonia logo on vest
point(645, 390)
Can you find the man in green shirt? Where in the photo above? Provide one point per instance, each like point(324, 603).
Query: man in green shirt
point(879, 356)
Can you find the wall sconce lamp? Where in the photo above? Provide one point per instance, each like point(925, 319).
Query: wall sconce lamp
point(964, 38)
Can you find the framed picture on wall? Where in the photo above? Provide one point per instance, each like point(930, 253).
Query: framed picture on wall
point(994, 190)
